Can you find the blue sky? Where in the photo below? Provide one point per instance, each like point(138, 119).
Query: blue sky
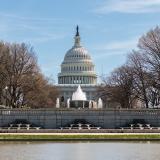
point(109, 29)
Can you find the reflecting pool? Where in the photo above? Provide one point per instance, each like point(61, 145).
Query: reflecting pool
point(79, 151)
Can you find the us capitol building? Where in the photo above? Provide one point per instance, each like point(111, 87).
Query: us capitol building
point(77, 69)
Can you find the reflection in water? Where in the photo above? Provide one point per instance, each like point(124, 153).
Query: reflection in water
point(79, 151)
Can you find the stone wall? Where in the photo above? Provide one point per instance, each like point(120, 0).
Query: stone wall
point(56, 118)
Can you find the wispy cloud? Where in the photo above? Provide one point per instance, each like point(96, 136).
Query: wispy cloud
point(115, 47)
point(43, 38)
point(29, 29)
point(129, 6)
point(118, 45)
point(25, 18)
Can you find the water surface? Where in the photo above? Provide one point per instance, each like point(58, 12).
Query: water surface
point(79, 151)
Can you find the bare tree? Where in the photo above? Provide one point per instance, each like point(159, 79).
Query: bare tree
point(140, 76)
point(118, 87)
point(40, 94)
point(149, 46)
point(4, 54)
point(21, 83)
point(21, 63)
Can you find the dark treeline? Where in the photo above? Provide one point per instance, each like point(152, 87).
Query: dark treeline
point(21, 82)
point(139, 78)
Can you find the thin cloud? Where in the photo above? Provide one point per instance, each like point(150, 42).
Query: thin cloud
point(44, 38)
point(34, 29)
point(129, 6)
point(103, 54)
point(118, 45)
point(24, 18)
point(115, 48)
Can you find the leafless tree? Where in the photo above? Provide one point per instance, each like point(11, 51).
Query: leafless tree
point(149, 46)
point(22, 83)
point(21, 63)
point(140, 76)
point(4, 54)
point(41, 93)
point(118, 87)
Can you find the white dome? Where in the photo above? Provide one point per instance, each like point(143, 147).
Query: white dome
point(77, 66)
point(77, 53)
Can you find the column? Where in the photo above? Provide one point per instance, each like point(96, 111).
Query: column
point(67, 79)
point(60, 80)
point(77, 79)
point(72, 80)
point(85, 80)
point(63, 80)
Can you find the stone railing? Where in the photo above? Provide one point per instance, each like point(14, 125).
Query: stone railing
point(56, 118)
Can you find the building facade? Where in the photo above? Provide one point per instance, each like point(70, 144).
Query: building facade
point(77, 68)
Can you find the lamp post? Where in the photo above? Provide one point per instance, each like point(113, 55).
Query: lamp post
point(6, 89)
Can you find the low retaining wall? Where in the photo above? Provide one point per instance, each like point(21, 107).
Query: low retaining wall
point(80, 131)
point(56, 118)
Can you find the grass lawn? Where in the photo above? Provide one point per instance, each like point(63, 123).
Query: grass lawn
point(70, 137)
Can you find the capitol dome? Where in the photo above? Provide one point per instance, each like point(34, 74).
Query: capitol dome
point(77, 54)
point(77, 66)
